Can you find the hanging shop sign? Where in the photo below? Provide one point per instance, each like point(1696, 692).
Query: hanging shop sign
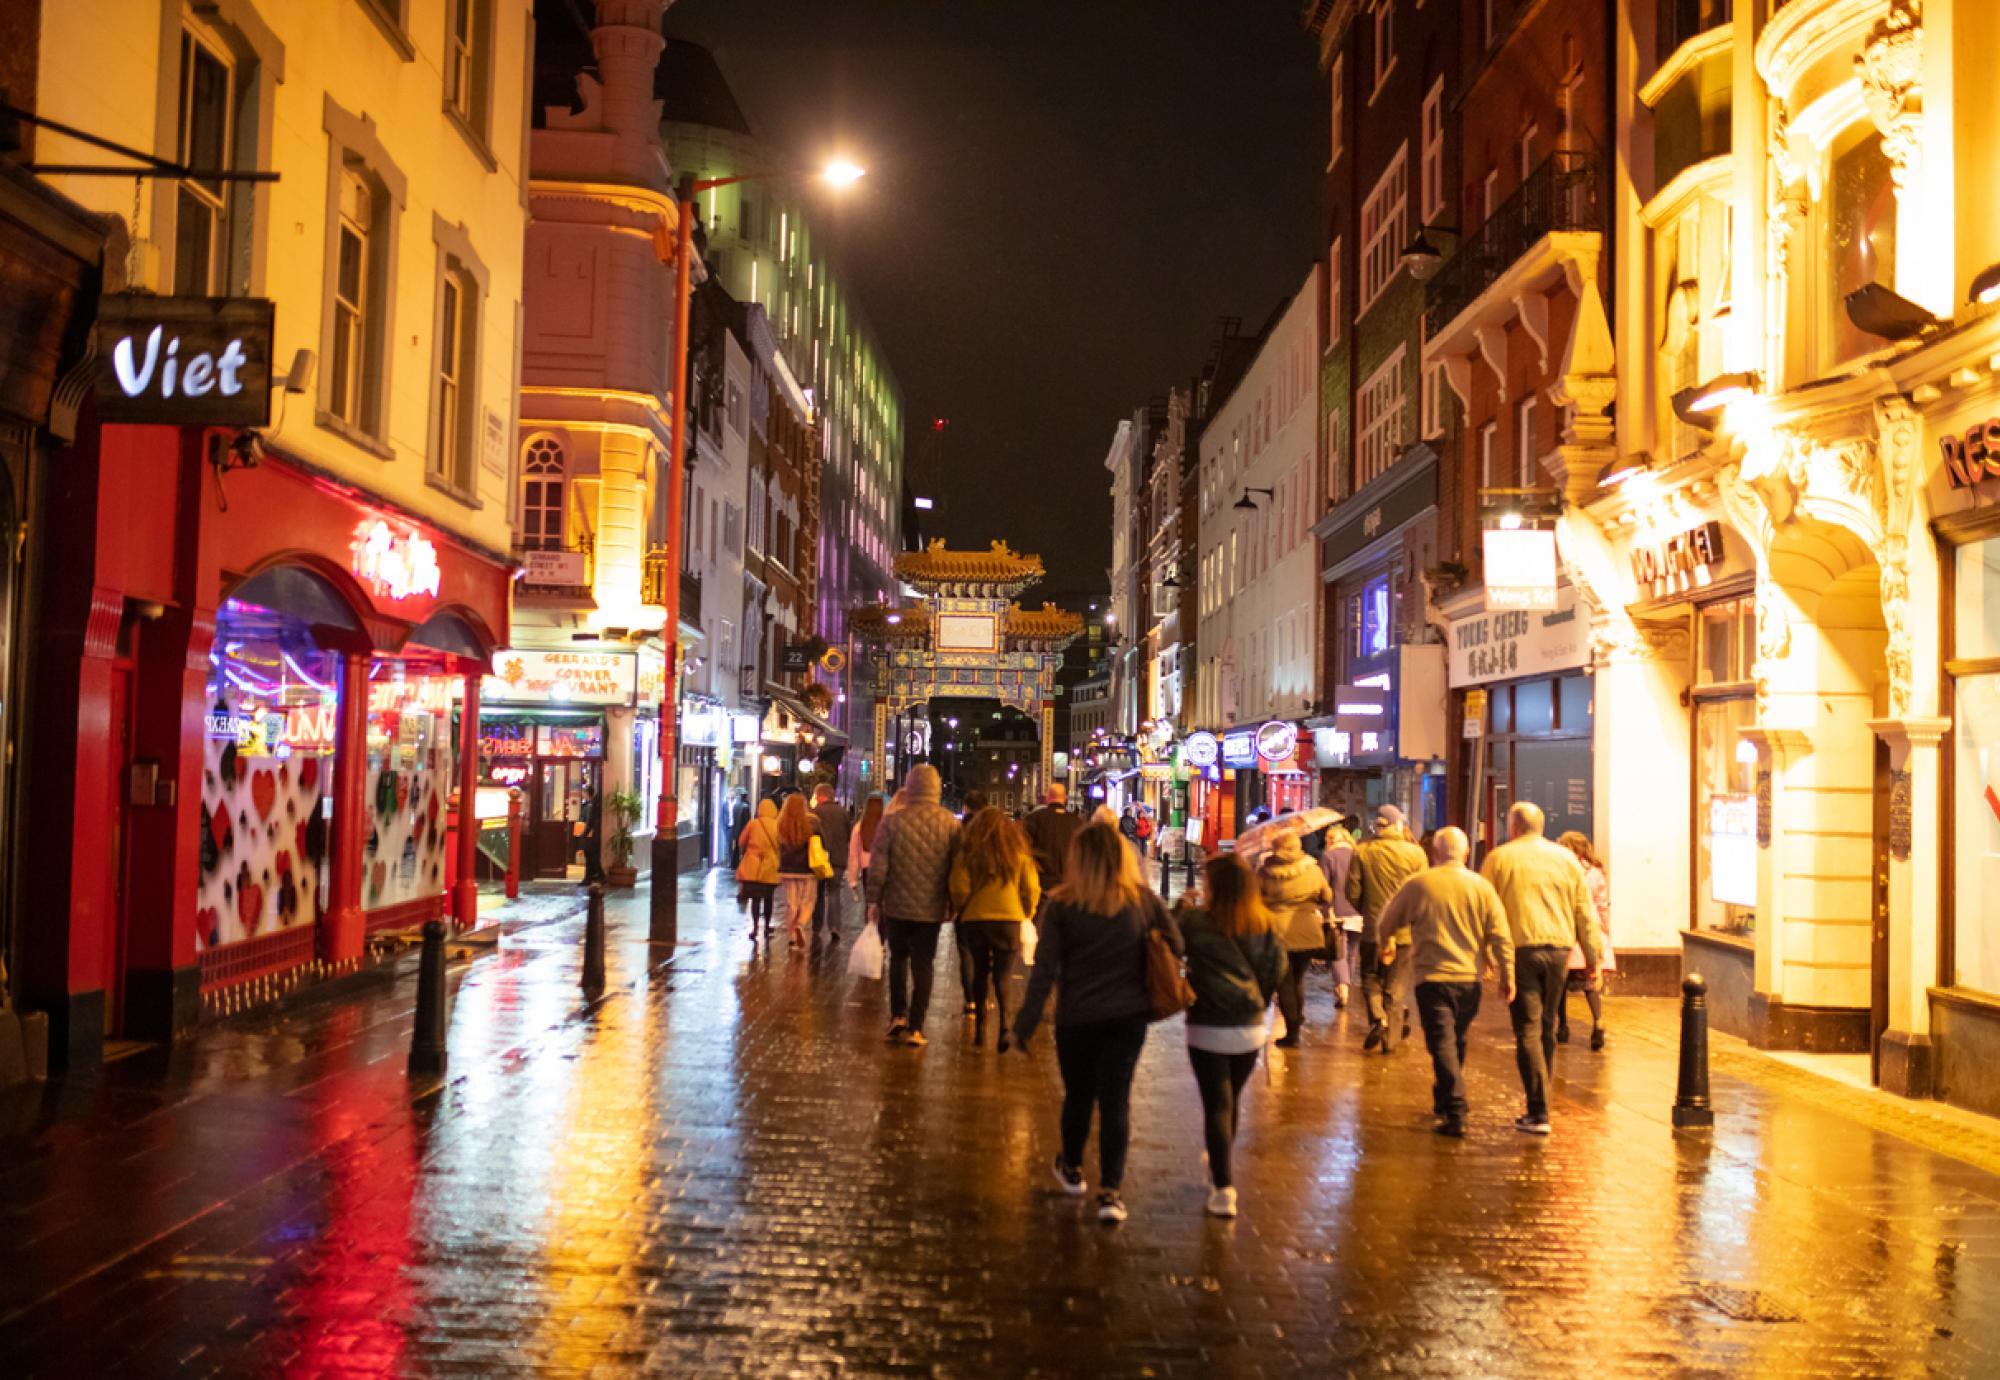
point(1972, 454)
point(1502, 646)
point(1277, 740)
point(530, 677)
point(1156, 771)
point(745, 728)
point(653, 677)
point(1201, 748)
point(185, 361)
point(1360, 708)
point(396, 563)
point(563, 568)
point(1239, 748)
point(1520, 568)
point(704, 725)
point(1678, 563)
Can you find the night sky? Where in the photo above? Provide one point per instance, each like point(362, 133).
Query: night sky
point(1063, 196)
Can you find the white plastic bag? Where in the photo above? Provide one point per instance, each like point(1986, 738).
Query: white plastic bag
point(864, 960)
point(1028, 941)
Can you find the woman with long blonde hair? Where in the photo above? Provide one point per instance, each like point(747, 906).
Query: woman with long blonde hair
point(1092, 951)
point(1236, 963)
point(1600, 897)
point(994, 889)
point(797, 828)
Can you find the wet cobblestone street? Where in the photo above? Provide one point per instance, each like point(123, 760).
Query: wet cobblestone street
point(720, 1169)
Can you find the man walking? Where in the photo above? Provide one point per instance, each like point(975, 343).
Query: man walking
point(1050, 828)
point(1548, 910)
point(1452, 916)
point(1381, 865)
point(834, 831)
point(909, 876)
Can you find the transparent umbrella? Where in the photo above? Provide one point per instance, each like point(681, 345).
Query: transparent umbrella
point(1256, 841)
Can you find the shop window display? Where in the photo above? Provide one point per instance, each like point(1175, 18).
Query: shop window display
point(267, 764)
point(1725, 817)
point(410, 775)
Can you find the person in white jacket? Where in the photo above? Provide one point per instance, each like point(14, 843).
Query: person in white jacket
point(862, 840)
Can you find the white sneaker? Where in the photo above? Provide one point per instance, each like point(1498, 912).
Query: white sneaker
point(1222, 1203)
point(1070, 1177)
point(1534, 1126)
point(1110, 1208)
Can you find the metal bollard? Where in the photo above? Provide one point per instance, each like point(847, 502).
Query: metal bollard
point(1691, 1109)
point(427, 1054)
point(593, 942)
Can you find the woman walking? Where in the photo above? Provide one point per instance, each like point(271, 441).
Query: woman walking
point(1235, 964)
point(796, 831)
point(757, 873)
point(1092, 951)
point(994, 889)
point(862, 841)
point(1335, 859)
point(1600, 896)
point(1296, 892)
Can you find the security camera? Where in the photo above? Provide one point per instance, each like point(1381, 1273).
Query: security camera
point(246, 448)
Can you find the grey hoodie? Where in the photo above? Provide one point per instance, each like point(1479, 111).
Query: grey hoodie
point(909, 869)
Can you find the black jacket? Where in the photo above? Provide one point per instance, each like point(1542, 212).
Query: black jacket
point(1097, 963)
point(1049, 831)
point(834, 828)
point(1233, 978)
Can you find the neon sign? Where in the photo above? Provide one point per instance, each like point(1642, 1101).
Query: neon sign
point(1277, 740)
point(394, 564)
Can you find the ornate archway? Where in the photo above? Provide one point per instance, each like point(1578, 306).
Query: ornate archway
point(967, 639)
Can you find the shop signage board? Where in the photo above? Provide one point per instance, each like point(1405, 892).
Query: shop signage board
point(1520, 642)
point(653, 677)
point(1972, 455)
point(1475, 714)
point(1201, 748)
point(1239, 748)
point(185, 361)
point(1360, 709)
point(1520, 568)
point(1387, 511)
point(506, 740)
point(1680, 562)
point(395, 562)
point(1277, 740)
point(525, 676)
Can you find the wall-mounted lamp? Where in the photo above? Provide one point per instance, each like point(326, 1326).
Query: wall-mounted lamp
point(1879, 311)
point(1421, 256)
point(1702, 405)
point(1248, 504)
point(1986, 287)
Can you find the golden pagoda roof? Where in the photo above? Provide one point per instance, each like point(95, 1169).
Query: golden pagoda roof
point(1046, 622)
point(872, 620)
point(997, 565)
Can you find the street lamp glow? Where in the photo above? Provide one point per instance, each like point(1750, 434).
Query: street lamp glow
point(842, 173)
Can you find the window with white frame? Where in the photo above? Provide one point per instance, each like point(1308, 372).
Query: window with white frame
point(1338, 82)
point(1333, 321)
point(1384, 228)
point(1431, 189)
point(364, 199)
point(347, 363)
point(468, 26)
point(1336, 458)
point(1434, 388)
point(1385, 40)
point(1489, 445)
point(451, 432)
point(542, 482)
point(206, 139)
point(1379, 422)
point(1489, 194)
point(1527, 150)
point(1524, 443)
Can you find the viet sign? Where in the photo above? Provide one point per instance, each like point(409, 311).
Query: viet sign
point(185, 361)
point(1201, 749)
point(1520, 568)
point(531, 677)
point(1504, 645)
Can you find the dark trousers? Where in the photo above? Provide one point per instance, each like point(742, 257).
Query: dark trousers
point(826, 903)
point(991, 946)
point(966, 986)
point(1097, 1060)
point(912, 956)
point(759, 896)
point(1385, 987)
point(1292, 991)
point(1447, 1009)
point(1221, 1078)
point(1540, 970)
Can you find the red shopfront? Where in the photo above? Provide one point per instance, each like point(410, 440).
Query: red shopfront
point(243, 753)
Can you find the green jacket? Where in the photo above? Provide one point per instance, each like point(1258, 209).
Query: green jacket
point(1381, 865)
point(1548, 902)
point(1233, 979)
point(1450, 914)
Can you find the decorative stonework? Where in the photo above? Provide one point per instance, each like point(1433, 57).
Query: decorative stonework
point(1890, 66)
point(1616, 638)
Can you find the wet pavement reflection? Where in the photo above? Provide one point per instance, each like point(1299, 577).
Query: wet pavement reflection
point(719, 1168)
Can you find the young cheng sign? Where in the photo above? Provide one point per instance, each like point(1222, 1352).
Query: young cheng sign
point(1519, 642)
point(184, 361)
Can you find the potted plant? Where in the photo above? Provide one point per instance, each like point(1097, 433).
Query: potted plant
point(625, 808)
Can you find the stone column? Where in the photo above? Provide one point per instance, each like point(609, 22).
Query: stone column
point(1639, 762)
point(622, 463)
point(618, 774)
point(1914, 847)
point(1778, 751)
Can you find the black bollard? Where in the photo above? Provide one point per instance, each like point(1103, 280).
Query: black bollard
point(427, 1056)
point(593, 942)
point(1691, 1109)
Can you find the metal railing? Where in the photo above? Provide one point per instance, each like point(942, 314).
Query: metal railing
point(656, 569)
point(1561, 194)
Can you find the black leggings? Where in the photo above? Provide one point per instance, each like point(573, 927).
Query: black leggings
point(1221, 1078)
point(1097, 1060)
point(991, 943)
point(1595, 996)
point(762, 895)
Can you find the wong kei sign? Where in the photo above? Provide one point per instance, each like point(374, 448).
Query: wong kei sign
point(184, 361)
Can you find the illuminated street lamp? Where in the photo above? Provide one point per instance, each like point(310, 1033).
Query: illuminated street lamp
point(663, 920)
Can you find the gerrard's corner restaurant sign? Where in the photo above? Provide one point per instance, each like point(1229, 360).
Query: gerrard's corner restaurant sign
point(184, 361)
point(1519, 642)
point(523, 676)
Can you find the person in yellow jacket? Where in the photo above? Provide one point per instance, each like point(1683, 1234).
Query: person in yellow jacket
point(757, 866)
point(994, 888)
point(1382, 863)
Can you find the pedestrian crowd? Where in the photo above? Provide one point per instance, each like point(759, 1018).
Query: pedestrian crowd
point(1406, 925)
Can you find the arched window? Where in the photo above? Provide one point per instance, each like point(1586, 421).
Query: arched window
point(542, 481)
